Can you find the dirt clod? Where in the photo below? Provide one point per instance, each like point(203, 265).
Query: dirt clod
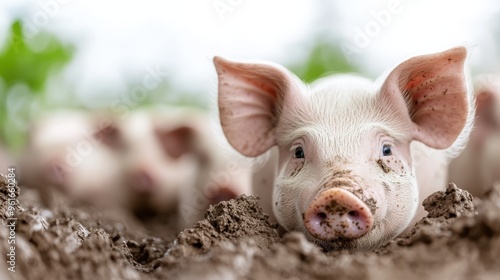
point(452, 203)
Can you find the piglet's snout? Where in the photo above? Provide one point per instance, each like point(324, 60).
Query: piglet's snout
point(141, 181)
point(337, 213)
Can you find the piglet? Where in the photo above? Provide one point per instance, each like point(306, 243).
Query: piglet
point(222, 175)
point(65, 152)
point(174, 159)
point(158, 155)
point(478, 167)
point(342, 169)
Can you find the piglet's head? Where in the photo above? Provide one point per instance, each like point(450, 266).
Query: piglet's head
point(345, 173)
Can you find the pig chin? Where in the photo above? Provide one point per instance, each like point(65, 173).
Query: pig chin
point(372, 240)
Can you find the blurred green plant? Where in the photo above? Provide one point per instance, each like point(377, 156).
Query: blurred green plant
point(25, 66)
point(325, 57)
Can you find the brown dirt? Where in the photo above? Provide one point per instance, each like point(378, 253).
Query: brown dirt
point(457, 240)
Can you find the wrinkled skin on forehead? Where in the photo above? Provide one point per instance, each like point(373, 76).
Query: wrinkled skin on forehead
point(347, 133)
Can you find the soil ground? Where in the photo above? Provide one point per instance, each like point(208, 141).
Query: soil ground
point(459, 239)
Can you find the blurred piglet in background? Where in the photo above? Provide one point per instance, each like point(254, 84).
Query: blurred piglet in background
point(172, 159)
point(150, 161)
point(223, 174)
point(66, 151)
point(159, 157)
point(478, 167)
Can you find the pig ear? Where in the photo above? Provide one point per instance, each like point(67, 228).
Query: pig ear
point(250, 99)
point(435, 95)
point(177, 141)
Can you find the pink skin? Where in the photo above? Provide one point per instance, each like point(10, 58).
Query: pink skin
point(345, 141)
point(361, 172)
point(141, 162)
point(172, 160)
point(97, 179)
point(157, 157)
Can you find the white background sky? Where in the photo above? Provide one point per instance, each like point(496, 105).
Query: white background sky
point(116, 38)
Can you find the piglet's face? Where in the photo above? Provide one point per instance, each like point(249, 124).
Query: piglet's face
point(345, 172)
point(157, 160)
point(347, 180)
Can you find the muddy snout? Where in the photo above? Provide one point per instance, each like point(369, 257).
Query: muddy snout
point(337, 213)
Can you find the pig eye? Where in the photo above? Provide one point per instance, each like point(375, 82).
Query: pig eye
point(386, 150)
point(299, 152)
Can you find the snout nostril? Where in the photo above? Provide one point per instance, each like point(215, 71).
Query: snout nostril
point(337, 213)
point(353, 213)
point(321, 216)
